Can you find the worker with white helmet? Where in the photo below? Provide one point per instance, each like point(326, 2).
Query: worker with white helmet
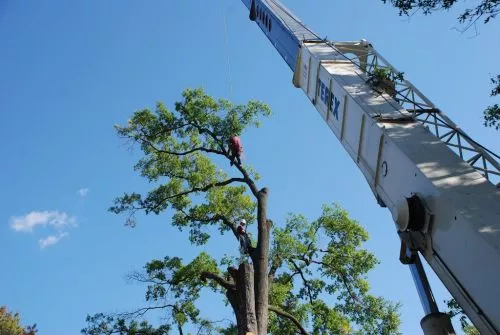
point(244, 239)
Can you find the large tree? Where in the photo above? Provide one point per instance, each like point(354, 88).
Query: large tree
point(484, 10)
point(10, 324)
point(311, 276)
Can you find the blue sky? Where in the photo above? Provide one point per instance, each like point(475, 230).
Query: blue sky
point(71, 70)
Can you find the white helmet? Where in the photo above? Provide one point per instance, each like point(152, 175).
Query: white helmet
point(243, 222)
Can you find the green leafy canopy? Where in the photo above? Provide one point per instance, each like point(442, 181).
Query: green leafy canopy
point(316, 270)
point(324, 259)
point(176, 146)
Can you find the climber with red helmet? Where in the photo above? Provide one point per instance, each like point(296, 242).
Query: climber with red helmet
point(235, 149)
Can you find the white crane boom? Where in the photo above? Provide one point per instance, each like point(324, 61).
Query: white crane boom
point(434, 180)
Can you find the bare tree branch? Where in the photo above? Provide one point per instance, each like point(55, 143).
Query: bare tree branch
point(343, 278)
point(141, 131)
point(275, 265)
point(142, 278)
point(228, 285)
point(342, 275)
point(246, 176)
point(142, 311)
point(215, 218)
point(290, 317)
point(196, 189)
point(251, 184)
point(219, 142)
point(304, 279)
point(183, 153)
point(179, 328)
point(204, 325)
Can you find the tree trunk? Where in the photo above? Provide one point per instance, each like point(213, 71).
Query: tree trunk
point(245, 287)
point(242, 299)
point(260, 260)
point(232, 296)
point(250, 297)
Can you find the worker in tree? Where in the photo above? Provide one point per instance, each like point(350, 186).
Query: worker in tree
point(244, 239)
point(235, 149)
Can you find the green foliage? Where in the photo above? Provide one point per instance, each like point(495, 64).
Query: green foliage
point(10, 324)
point(318, 275)
point(181, 281)
point(487, 9)
point(495, 81)
point(385, 78)
point(456, 311)
point(492, 116)
point(317, 269)
point(231, 330)
point(101, 324)
point(470, 330)
point(387, 73)
point(177, 146)
point(492, 113)
point(167, 280)
point(322, 277)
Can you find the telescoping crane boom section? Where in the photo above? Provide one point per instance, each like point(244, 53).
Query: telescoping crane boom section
point(436, 181)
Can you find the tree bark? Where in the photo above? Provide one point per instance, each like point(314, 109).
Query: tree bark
point(260, 258)
point(242, 299)
point(232, 296)
point(249, 296)
point(245, 286)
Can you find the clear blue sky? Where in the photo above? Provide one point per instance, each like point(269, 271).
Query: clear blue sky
point(70, 70)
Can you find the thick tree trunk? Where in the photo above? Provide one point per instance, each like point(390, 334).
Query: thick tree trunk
point(260, 260)
point(233, 298)
point(242, 299)
point(245, 287)
point(249, 298)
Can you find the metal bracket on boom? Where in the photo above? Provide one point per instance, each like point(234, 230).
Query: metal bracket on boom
point(414, 220)
point(407, 255)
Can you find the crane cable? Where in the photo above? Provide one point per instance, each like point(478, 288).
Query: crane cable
point(226, 48)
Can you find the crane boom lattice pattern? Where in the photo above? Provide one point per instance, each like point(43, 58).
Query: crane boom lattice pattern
point(423, 110)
